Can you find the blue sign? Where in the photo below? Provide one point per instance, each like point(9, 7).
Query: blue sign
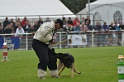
point(1, 42)
point(10, 40)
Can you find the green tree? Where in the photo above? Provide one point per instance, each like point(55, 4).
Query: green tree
point(75, 5)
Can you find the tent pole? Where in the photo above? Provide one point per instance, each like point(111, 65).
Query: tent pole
point(89, 7)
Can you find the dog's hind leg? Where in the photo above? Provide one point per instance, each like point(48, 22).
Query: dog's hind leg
point(77, 71)
point(72, 71)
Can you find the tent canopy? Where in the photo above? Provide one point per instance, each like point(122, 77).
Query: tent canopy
point(106, 10)
point(107, 1)
point(32, 7)
point(98, 3)
point(102, 2)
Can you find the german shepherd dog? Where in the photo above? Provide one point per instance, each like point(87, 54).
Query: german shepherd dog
point(66, 60)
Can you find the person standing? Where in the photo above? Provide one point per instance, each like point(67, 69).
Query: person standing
point(40, 21)
point(26, 26)
point(23, 22)
point(36, 25)
point(69, 21)
point(87, 21)
point(6, 22)
point(40, 44)
point(1, 29)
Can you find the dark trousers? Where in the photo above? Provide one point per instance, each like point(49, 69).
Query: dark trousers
point(47, 56)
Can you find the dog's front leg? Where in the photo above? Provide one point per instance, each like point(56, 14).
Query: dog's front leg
point(59, 65)
point(62, 68)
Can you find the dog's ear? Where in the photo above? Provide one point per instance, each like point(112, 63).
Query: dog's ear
point(59, 55)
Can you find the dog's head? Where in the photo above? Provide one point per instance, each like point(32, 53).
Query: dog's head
point(66, 58)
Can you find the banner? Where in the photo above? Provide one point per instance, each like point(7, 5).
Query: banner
point(122, 38)
point(11, 42)
point(1, 42)
point(77, 39)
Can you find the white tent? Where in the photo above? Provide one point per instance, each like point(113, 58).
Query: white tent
point(106, 10)
point(32, 8)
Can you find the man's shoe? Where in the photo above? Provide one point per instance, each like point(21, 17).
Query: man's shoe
point(42, 77)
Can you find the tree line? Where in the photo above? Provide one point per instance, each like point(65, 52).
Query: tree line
point(75, 5)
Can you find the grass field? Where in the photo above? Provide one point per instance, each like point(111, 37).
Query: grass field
point(96, 64)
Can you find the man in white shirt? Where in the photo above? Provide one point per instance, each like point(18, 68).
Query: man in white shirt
point(41, 40)
point(19, 30)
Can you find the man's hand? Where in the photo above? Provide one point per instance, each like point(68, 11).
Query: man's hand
point(53, 42)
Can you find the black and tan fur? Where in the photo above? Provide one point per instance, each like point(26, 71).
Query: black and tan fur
point(66, 60)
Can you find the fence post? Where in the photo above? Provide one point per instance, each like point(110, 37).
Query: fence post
point(60, 39)
point(26, 41)
point(122, 40)
point(93, 38)
point(120, 68)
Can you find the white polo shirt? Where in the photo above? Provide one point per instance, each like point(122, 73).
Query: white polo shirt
point(45, 32)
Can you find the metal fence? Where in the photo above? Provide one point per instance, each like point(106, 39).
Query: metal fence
point(93, 39)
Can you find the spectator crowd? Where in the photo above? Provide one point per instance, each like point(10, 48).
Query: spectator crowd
point(24, 26)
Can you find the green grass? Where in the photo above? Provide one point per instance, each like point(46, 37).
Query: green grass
point(96, 64)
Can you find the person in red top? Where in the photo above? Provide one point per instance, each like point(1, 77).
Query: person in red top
point(23, 23)
point(76, 22)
